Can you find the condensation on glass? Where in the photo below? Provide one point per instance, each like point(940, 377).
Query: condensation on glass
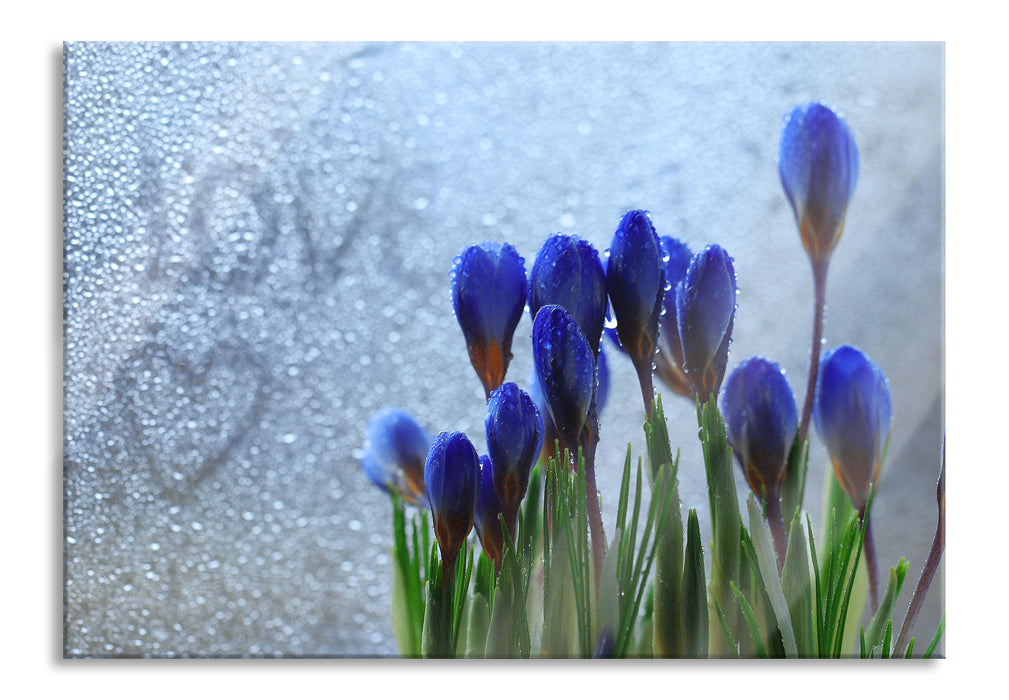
point(256, 253)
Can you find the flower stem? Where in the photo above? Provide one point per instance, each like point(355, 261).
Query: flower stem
point(595, 517)
point(819, 300)
point(777, 528)
point(928, 571)
point(870, 564)
point(643, 367)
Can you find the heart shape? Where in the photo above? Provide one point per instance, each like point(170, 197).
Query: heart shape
point(189, 412)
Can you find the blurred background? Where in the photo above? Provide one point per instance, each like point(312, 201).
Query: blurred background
point(257, 245)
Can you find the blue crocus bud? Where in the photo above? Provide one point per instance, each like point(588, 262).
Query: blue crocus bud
point(669, 360)
point(566, 369)
point(602, 381)
point(514, 439)
point(760, 423)
point(488, 508)
point(567, 272)
point(488, 294)
point(705, 308)
point(852, 416)
point(451, 475)
point(395, 448)
point(818, 163)
point(634, 281)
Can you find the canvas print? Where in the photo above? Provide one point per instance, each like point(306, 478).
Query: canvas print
point(503, 350)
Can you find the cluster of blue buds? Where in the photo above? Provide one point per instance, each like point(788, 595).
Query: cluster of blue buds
point(395, 450)
point(760, 423)
point(672, 312)
point(452, 478)
point(489, 293)
point(852, 416)
point(683, 335)
point(818, 164)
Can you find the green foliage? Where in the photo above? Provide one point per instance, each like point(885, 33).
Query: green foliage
point(725, 524)
point(668, 633)
point(410, 544)
point(546, 600)
point(694, 604)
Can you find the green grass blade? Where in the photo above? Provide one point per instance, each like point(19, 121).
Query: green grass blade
point(768, 569)
point(751, 620)
point(935, 639)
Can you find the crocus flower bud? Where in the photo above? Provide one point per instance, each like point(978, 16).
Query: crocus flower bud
point(760, 423)
point(488, 508)
point(669, 360)
point(489, 292)
point(451, 475)
point(818, 164)
point(550, 435)
point(395, 449)
point(634, 281)
point(567, 272)
point(705, 308)
point(602, 381)
point(852, 416)
point(514, 439)
point(566, 369)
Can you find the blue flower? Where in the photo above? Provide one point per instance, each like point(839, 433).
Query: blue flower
point(634, 281)
point(489, 293)
point(514, 439)
point(567, 272)
point(760, 422)
point(818, 164)
point(451, 475)
point(669, 360)
point(488, 508)
point(705, 308)
point(852, 416)
point(395, 449)
point(566, 369)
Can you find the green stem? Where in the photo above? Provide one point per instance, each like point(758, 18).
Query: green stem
point(870, 564)
point(819, 300)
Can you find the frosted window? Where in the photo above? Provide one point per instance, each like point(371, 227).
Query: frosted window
point(257, 246)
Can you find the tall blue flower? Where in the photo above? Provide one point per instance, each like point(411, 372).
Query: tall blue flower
point(488, 293)
point(567, 272)
point(818, 164)
point(514, 439)
point(706, 308)
point(451, 476)
point(852, 416)
point(395, 449)
point(566, 369)
point(669, 360)
point(760, 423)
point(488, 508)
point(635, 283)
